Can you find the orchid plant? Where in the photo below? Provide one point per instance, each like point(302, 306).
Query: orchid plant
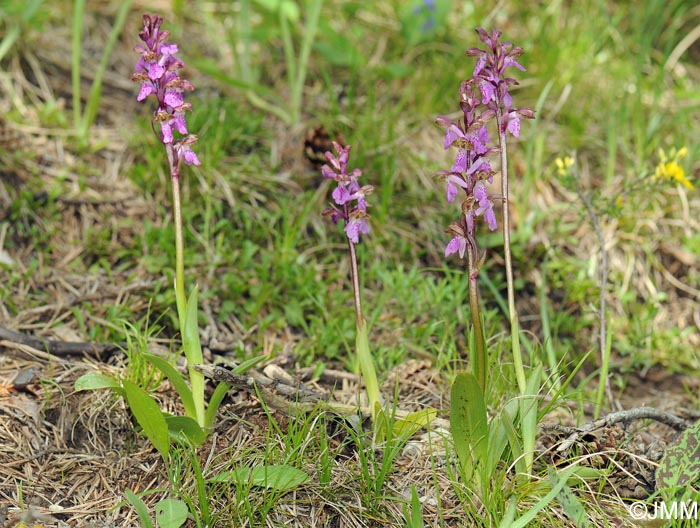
point(157, 69)
point(485, 98)
point(350, 206)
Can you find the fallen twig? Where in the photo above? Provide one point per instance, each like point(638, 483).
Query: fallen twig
point(288, 399)
point(60, 348)
point(619, 417)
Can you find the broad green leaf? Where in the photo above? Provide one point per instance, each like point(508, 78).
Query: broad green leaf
point(572, 507)
point(140, 507)
point(171, 513)
point(187, 426)
point(278, 477)
point(680, 465)
point(149, 417)
point(176, 379)
point(468, 421)
point(96, 381)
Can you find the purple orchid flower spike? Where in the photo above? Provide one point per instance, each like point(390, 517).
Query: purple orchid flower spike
point(483, 97)
point(157, 71)
point(489, 74)
point(349, 197)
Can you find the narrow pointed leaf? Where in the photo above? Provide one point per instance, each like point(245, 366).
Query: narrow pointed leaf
point(177, 381)
point(140, 507)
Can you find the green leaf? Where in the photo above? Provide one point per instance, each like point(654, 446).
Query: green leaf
point(176, 379)
point(278, 477)
point(290, 10)
point(171, 513)
point(96, 381)
point(149, 417)
point(413, 518)
point(680, 465)
point(248, 364)
point(270, 5)
point(532, 512)
point(528, 419)
point(572, 507)
point(190, 333)
point(468, 422)
point(140, 508)
point(193, 353)
point(412, 422)
point(187, 426)
point(498, 440)
point(369, 375)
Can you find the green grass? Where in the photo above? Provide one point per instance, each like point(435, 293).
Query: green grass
point(269, 266)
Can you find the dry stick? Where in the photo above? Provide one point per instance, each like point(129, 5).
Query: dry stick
point(626, 416)
point(61, 348)
point(291, 400)
point(603, 287)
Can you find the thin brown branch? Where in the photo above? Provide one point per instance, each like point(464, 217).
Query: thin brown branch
point(623, 417)
point(61, 348)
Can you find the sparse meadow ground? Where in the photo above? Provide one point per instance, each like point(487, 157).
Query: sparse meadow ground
point(603, 208)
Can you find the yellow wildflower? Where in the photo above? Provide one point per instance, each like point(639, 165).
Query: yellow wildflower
point(669, 168)
point(563, 165)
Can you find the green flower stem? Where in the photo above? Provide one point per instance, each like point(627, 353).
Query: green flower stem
point(480, 359)
point(513, 315)
point(188, 321)
point(364, 356)
point(180, 297)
